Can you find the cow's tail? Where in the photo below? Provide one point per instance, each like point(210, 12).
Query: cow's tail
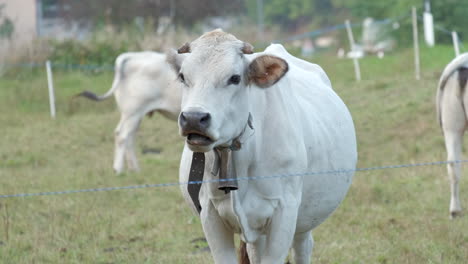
point(451, 68)
point(119, 75)
point(243, 256)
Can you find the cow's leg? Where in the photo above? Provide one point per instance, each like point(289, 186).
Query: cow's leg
point(130, 156)
point(453, 124)
point(254, 250)
point(302, 247)
point(119, 148)
point(123, 139)
point(220, 239)
point(453, 143)
point(280, 235)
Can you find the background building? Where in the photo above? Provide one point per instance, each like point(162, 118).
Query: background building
point(25, 16)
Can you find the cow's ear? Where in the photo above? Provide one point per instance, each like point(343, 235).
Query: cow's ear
point(174, 59)
point(266, 70)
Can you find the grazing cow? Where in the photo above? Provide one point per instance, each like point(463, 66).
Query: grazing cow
point(451, 104)
point(143, 83)
point(248, 115)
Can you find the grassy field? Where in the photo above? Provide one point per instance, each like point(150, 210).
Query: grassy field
point(389, 216)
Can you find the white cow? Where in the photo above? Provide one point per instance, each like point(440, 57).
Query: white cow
point(451, 101)
point(143, 83)
point(279, 115)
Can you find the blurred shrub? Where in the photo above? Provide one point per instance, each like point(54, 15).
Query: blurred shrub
point(86, 52)
point(106, 43)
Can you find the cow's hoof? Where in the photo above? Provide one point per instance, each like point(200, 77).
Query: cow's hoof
point(134, 169)
point(455, 214)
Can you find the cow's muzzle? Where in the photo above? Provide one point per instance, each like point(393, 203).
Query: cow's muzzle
point(194, 126)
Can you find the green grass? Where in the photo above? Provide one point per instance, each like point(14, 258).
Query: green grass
point(389, 216)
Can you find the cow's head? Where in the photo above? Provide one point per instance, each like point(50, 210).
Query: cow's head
point(217, 70)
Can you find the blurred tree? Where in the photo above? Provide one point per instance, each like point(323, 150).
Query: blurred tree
point(290, 14)
point(293, 13)
point(121, 12)
point(451, 14)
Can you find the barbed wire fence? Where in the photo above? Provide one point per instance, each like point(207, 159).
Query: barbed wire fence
point(441, 29)
point(266, 177)
point(326, 30)
point(311, 34)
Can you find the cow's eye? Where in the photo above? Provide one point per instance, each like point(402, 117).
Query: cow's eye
point(181, 77)
point(235, 79)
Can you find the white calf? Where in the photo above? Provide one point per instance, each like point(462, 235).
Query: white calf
point(143, 83)
point(451, 111)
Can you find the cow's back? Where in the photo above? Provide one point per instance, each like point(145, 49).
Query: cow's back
point(146, 77)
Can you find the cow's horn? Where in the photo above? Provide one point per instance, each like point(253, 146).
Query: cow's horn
point(184, 49)
point(247, 48)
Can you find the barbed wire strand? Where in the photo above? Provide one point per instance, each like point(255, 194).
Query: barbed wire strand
point(310, 34)
point(322, 31)
point(446, 31)
point(159, 185)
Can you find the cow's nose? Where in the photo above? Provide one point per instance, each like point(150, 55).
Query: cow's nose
point(195, 121)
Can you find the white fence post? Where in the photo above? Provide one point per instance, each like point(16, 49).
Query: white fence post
point(416, 44)
point(428, 20)
point(429, 29)
point(357, 69)
point(455, 43)
point(50, 82)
